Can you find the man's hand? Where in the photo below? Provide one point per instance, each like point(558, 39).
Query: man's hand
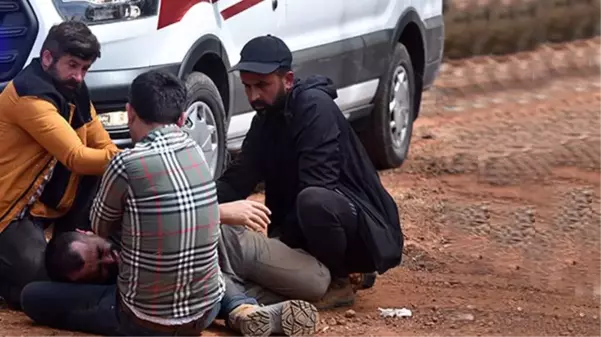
point(85, 232)
point(251, 214)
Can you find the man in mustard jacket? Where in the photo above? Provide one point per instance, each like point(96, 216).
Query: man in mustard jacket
point(53, 151)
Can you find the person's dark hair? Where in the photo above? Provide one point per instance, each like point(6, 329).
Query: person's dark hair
point(60, 258)
point(158, 97)
point(72, 38)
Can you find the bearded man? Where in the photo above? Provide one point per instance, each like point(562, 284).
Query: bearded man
point(53, 151)
point(323, 193)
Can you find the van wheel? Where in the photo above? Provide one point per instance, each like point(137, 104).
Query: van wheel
point(206, 120)
point(389, 129)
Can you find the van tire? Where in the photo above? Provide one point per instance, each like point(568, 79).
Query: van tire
point(384, 148)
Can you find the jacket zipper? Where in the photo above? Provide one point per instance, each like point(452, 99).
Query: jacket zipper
point(24, 192)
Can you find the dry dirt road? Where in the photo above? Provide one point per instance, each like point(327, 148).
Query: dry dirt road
point(500, 206)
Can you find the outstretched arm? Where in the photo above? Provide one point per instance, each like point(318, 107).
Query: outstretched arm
point(97, 136)
point(43, 122)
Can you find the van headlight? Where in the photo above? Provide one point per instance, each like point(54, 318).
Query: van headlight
point(104, 11)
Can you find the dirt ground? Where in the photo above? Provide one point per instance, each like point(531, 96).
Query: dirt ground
point(500, 205)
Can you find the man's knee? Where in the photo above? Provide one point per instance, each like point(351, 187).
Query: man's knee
point(318, 281)
point(34, 302)
point(313, 278)
point(312, 201)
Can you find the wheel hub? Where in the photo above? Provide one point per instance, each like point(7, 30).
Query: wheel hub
point(201, 126)
point(399, 106)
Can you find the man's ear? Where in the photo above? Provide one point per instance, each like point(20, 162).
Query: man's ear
point(131, 113)
point(47, 59)
point(181, 120)
point(288, 80)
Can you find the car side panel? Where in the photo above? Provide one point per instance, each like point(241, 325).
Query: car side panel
point(434, 37)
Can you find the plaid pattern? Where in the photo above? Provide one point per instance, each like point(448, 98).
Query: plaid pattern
point(161, 197)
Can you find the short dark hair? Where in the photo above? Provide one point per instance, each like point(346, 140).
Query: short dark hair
point(60, 259)
point(73, 38)
point(158, 97)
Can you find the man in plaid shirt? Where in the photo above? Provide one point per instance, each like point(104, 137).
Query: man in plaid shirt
point(161, 200)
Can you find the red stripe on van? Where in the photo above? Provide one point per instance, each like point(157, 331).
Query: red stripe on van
point(238, 8)
point(173, 11)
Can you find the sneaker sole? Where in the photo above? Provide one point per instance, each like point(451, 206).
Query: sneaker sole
point(256, 324)
point(299, 318)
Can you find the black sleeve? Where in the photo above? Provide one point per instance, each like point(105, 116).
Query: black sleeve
point(245, 172)
point(317, 140)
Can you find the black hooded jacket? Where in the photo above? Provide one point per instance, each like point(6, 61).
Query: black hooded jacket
point(312, 144)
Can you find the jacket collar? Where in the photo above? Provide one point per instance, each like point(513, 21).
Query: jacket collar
point(34, 81)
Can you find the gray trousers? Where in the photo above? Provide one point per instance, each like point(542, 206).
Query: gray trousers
point(268, 270)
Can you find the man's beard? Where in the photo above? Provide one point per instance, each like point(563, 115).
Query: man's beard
point(279, 103)
point(113, 269)
point(68, 88)
point(112, 274)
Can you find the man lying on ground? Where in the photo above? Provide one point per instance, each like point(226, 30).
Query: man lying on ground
point(262, 268)
point(53, 150)
point(159, 196)
point(323, 192)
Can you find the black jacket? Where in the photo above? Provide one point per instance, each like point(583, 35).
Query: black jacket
point(312, 144)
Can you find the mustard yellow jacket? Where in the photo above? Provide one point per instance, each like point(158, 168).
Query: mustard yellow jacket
point(41, 130)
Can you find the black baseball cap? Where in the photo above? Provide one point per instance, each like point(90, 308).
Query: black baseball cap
point(264, 55)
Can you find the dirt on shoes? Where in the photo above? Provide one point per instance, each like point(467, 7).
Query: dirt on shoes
point(340, 294)
point(289, 318)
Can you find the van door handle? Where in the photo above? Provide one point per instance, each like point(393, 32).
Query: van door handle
point(274, 4)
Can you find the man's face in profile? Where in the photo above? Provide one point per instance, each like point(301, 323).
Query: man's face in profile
point(101, 260)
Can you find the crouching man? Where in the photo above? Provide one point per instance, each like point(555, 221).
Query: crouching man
point(160, 198)
point(53, 151)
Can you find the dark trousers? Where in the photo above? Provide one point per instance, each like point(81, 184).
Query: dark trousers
point(22, 243)
point(96, 309)
point(327, 226)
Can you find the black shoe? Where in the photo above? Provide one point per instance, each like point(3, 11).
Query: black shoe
point(363, 281)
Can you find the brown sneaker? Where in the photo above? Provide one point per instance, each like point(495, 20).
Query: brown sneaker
point(290, 318)
point(339, 294)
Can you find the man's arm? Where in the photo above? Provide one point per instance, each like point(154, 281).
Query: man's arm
point(107, 210)
point(42, 121)
point(317, 139)
point(97, 136)
point(245, 172)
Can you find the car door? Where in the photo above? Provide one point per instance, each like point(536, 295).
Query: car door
point(330, 38)
point(243, 20)
point(312, 30)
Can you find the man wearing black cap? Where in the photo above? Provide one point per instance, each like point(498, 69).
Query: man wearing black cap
point(324, 194)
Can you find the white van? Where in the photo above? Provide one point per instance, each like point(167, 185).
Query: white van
point(381, 55)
